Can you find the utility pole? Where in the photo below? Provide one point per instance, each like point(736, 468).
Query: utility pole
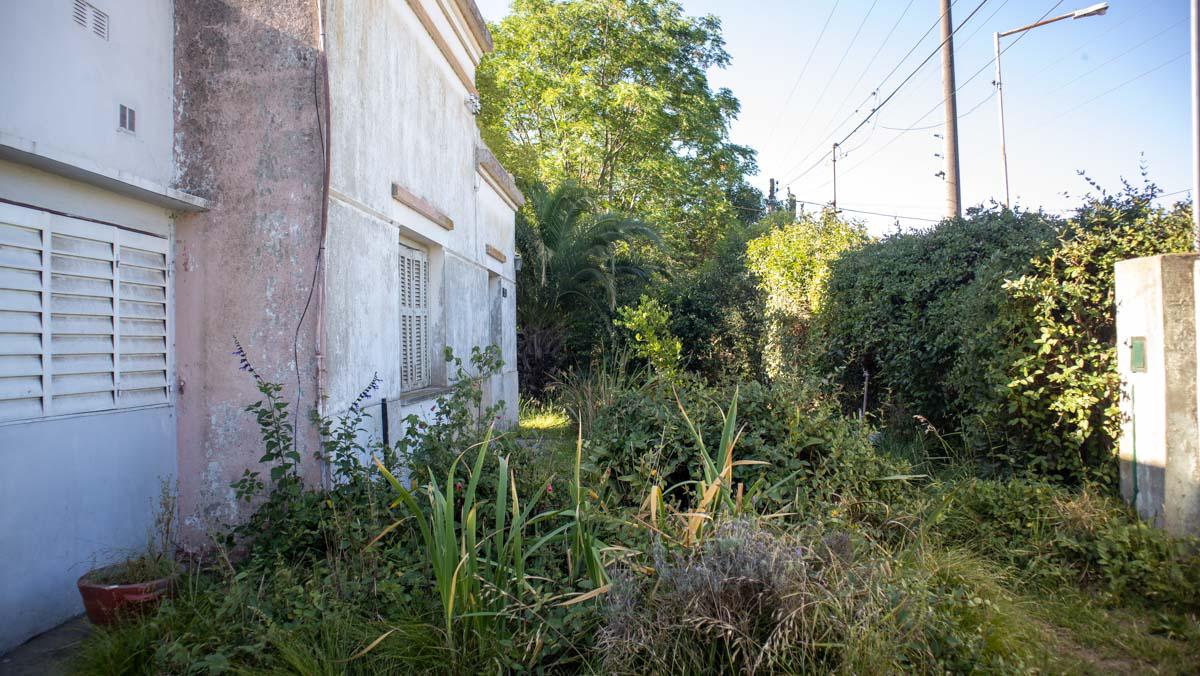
point(953, 188)
point(835, 147)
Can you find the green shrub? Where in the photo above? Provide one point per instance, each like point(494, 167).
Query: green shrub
point(792, 264)
point(1061, 409)
point(717, 311)
point(649, 325)
point(911, 318)
point(999, 327)
point(813, 456)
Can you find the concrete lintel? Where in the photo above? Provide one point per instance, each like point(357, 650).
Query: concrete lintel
point(49, 159)
point(498, 176)
point(439, 40)
point(421, 206)
point(496, 253)
point(475, 21)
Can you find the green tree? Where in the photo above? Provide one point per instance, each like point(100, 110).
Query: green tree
point(571, 266)
point(614, 95)
point(792, 263)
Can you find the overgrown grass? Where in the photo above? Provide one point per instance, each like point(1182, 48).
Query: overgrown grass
point(785, 540)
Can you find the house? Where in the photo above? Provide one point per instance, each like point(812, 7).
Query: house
point(305, 175)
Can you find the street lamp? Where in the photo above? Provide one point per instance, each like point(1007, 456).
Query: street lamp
point(1094, 10)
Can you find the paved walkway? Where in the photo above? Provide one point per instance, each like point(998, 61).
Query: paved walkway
point(47, 654)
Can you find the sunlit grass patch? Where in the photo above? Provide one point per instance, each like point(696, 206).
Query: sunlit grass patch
point(538, 417)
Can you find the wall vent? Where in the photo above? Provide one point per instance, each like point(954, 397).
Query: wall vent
point(127, 119)
point(88, 16)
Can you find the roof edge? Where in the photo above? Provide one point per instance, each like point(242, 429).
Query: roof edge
point(477, 23)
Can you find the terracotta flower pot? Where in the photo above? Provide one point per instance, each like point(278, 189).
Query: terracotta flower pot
point(106, 604)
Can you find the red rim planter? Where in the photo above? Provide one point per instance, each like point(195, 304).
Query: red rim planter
point(107, 604)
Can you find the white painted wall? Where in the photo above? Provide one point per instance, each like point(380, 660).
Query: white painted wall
point(76, 490)
point(61, 84)
point(80, 490)
point(401, 115)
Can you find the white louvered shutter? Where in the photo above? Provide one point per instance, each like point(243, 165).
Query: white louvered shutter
point(414, 319)
point(143, 294)
point(100, 342)
point(23, 317)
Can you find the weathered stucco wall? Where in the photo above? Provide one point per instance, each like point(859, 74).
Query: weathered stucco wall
point(247, 139)
point(401, 114)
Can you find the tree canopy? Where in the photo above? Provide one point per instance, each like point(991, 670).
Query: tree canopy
point(614, 95)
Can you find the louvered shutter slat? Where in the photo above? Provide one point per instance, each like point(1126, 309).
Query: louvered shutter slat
point(143, 312)
point(81, 369)
point(83, 316)
point(414, 319)
point(22, 264)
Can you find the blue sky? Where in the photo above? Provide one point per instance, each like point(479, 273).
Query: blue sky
point(1098, 94)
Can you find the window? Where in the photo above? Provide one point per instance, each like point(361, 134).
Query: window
point(83, 316)
point(414, 319)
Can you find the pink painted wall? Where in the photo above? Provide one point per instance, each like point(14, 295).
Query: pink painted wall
point(247, 140)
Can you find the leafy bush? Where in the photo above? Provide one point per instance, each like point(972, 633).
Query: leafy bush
point(909, 318)
point(792, 263)
point(648, 323)
point(717, 311)
point(810, 455)
point(999, 326)
point(1061, 409)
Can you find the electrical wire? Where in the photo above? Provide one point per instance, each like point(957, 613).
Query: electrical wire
point(915, 71)
point(915, 125)
point(803, 70)
point(869, 213)
point(850, 91)
point(1118, 56)
point(833, 76)
point(974, 108)
point(1135, 78)
point(895, 91)
point(871, 62)
point(877, 88)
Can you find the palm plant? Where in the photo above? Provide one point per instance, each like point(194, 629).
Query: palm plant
point(574, 258)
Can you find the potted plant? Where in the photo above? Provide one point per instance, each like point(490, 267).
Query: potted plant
point(139, 583)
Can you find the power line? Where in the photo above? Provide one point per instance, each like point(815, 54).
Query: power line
point(796, 84)
point(1077, 78)
point(880, 86)
point(836, 70)
point(914, 125)
point(1160, 66)
point(915, 71)
point(895, 91)
point(849, 92)
point(974, 108)
point(871, 61)
point(869, 213)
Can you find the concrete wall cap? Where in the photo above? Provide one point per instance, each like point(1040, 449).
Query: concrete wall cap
point(492, 168)
point(477, 24)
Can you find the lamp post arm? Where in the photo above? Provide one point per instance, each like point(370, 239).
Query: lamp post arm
point(1031, 26)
